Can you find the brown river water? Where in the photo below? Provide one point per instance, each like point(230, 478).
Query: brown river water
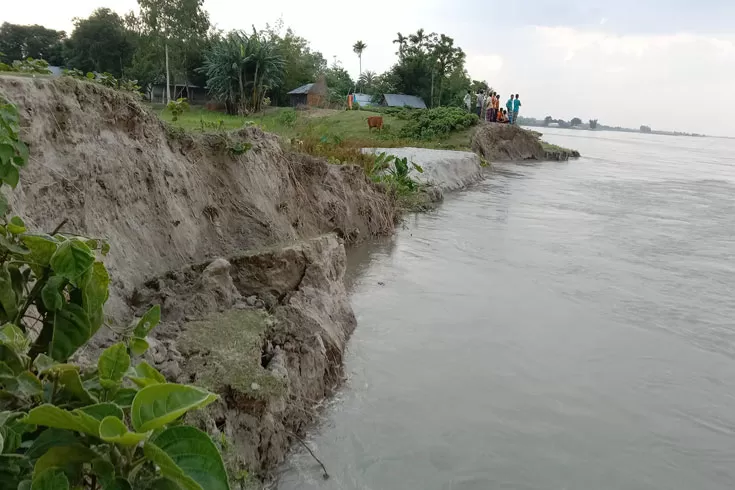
point(558, 326)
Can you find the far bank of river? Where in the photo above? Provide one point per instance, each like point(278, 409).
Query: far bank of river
point(559, 325)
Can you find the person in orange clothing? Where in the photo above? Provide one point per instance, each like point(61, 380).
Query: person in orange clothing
point(496, 106)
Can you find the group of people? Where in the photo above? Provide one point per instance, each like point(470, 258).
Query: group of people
point(487, 107)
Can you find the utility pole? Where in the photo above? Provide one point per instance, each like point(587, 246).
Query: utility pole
point(168, 79)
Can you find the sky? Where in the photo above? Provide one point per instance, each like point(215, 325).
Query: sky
point(669, 64)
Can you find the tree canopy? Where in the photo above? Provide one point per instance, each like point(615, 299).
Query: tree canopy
point(20, 42)
point(100, 43)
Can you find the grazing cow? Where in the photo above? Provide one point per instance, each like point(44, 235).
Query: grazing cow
point(375, 122)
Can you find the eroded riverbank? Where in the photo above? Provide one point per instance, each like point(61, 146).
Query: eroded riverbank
point(556, 326)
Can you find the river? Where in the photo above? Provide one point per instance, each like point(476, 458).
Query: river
point(557, 326)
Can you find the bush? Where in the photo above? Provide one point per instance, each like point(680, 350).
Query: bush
point(288, 117)
point(177, 107)
point(112, 426)
point(427, 124)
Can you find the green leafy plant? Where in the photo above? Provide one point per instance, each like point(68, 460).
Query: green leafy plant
point(427, 124)
point(218, 125)
point(239, 148)
point(115, 425)
point(395, 172)
point(30, 65)
point(106, 79)
point(288, 117)
point(178, 107)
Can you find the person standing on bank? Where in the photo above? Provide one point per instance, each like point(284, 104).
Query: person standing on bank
point(480, 99)
point(509, 109)
point(516, 108)
point(468, 101)
point(496, 106)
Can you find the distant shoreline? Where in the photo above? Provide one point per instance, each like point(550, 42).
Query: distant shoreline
point(535, 123)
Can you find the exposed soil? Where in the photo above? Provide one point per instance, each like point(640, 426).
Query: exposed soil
point(505, 142)
point(164, 198)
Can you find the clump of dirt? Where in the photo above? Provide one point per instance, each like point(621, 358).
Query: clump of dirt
point(499, 142)
point(165, 198)
point(265, 330)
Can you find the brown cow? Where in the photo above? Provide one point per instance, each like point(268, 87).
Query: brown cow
point(375, 122)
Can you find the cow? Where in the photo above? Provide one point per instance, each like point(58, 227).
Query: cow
point(375, 122)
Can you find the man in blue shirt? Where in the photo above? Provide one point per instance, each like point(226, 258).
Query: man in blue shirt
point(516, 108)
point(509, 108)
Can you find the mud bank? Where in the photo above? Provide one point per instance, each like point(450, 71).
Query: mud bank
point(503, 142)
point(266, 331)
point(164, 198)
point(445, 169)
point(265, 328)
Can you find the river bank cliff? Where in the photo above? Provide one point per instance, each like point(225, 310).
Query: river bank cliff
point(239, 239)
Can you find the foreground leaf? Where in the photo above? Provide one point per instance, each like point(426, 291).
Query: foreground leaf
point(112, 429)
point(51, 479)
point(147, 375)
point(138, 346)
point(113, 363)
point(71, 330)
point(51, 293)
point(13, 337)
point(188, 456)
point(48, 439)
point(95, 286)
point(51, 416)
point(149, 321)
point(64, 456)
point(156, 405)
point(72, 259)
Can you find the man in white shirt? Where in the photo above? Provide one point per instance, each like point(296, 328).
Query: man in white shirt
point(468, 101)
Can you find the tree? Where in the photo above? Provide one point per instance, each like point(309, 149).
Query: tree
point(548, 120)
point(100, 43)
point(367, 81)
point(338, 81)
point(241, 68)
point(174, 25)
point(575, 122)
point(645, 129)
point(358, 48)
point(20, 42)
point(593, 123)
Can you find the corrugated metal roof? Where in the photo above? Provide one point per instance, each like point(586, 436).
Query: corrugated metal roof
point(364, 99)
point(304, 89)
point(399, 100)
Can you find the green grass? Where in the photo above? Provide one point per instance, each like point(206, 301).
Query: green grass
point(552, 147)
point(347, 127)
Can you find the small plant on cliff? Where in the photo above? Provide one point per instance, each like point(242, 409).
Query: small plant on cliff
point(178, 107)
point(112, 426)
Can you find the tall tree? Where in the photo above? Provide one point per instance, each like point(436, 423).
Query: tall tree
point(358, 48)
point(593, 123)
point(575, 122)
point(100, 43)
point(175, 27)
point(20, 42)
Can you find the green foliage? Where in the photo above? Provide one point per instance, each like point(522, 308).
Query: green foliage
point(19, 42)
point(116, 424)
point(288, 117)
point(241, 68)
point(178, 107)
point(106, 79)
point(428, 124)
point(593, 123)
point(395, 172)
point(100, 43)
point(30, 65)
point(575, 122)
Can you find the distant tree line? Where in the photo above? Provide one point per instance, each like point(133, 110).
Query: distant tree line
point(174, 40)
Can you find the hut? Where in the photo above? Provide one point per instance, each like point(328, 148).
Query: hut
point(400, 100)
point(311, 94)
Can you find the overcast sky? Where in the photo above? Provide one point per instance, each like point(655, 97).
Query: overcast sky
point(669, 64)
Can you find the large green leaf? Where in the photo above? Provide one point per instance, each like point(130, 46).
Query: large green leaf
point(51, 479)
point(149, 321)
point(124, 397)
point(12, 429)
point(187, 455)
point(113, 363)
point(112, 429)
point(71, 384)
point(43, 363)
point(71, 330)
point(138, 346)
point(42, 248)
point(51, 293)
point(102, 410)
point(64, 457)
point(95, 291)
point(156, 405)
point(147, 375)
point(13, 337)
point(8, 299)
point(72, 259)
point(51, 416)
point(28, 385)
point(50, 438)
point(16, 226)
point(12, 359)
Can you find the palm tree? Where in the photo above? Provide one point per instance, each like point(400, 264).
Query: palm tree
point(240, 63)
point(368, 79)
point(401, 41)
point(358, 48)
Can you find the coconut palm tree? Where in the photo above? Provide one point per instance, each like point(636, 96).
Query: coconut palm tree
point(358, 48)
point(401, 41)
point(368, 79)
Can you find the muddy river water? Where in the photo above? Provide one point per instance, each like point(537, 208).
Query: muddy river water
point(557, 326)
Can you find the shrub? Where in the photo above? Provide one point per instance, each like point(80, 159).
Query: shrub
point(177, 108)
point(62, 426)
point(428, 124)
point(288, 117)
point(29, 65)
